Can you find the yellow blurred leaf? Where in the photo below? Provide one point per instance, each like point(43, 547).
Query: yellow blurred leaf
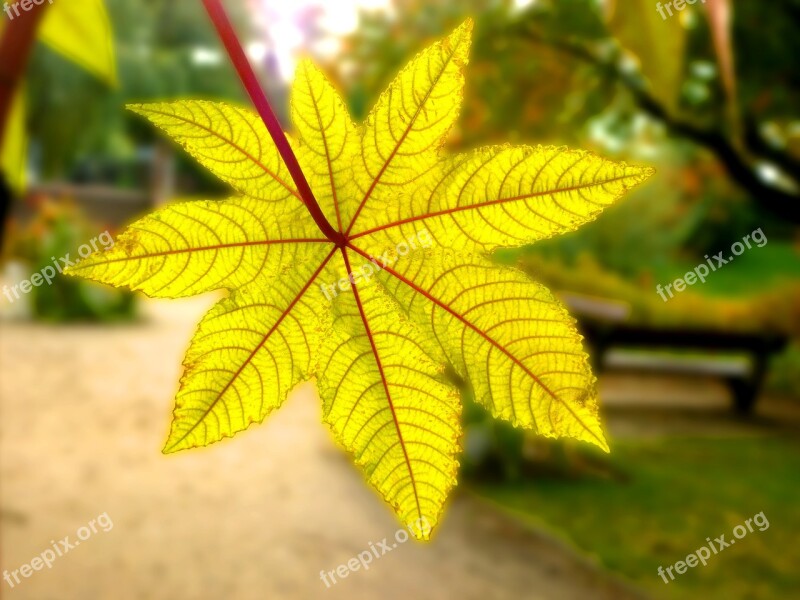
point(14, 147)
point(81, 31)
point(657, 39)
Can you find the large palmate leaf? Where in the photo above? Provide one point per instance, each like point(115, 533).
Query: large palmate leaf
point(378, 311)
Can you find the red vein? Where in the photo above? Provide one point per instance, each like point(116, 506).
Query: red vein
point(198, 249)
point(383, 380)
point(455, 209)
point(399, 143)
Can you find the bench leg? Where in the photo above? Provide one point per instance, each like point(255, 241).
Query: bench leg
point(745, 390)
point(745, 394)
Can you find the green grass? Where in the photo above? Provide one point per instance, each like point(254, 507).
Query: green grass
point(678, 493)
point(755, 271)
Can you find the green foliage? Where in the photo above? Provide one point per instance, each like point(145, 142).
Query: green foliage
point(767, 45)
point(58, 230)
point(155, 42)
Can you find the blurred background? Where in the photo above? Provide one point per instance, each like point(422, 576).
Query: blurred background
point(700, 392)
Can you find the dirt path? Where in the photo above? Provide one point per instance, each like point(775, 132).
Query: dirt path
point(84, 414)
point(638, 405)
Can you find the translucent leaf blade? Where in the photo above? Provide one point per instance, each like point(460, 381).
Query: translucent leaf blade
point(507, 196)
point(194, 247)
point(507, 335)
point(229, 141)
point(14, 153)
point(409, 124)
point(249, 351)
point(328, 142)
point(81, 31)
point(385, 402)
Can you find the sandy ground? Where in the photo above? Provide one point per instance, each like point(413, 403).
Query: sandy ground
point(84, 413)
point(642, 405)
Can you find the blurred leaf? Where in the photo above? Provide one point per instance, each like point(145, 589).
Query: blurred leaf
point(659, 44)
point(81, 31)
point(14, 147)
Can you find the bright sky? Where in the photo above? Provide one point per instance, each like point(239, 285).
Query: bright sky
point(282, 23)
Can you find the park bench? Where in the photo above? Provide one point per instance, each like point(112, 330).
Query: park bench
point(616, 343)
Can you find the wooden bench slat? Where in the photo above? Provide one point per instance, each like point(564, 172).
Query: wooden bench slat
point(635, 360)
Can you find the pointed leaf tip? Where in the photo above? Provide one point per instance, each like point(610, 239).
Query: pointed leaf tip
point(460, 41)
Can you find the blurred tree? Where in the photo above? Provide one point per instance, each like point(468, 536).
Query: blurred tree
point(164, 49)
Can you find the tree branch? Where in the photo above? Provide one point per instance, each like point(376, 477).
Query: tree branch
point(781, 203)
point(761, 146)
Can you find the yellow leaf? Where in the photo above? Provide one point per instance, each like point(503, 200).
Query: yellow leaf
point(657, 40)
point(328, 140)
point(377, 310)
point(385, 402)
point(229, 141)
point(411, 120)
point(249, 351)
point(503, 196)
point(15, 143)
point(81, 31)
point(506, 335)
point(194, 247)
